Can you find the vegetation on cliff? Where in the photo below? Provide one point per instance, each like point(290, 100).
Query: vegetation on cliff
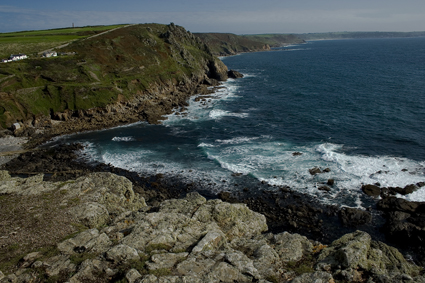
point(223, 44)
point(139, 61)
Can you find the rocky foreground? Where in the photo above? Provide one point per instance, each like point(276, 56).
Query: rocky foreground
point(97, 229)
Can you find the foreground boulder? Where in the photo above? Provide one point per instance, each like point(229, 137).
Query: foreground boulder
point(190, 240)
point(354, 255)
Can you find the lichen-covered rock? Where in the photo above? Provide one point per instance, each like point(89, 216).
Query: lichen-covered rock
point(224, 272)
point(90, 270)
point(33, 185)
point(237, 220)
point(316, 277)
point(122, 253)
point(356, 251)
point(91, 214)
point(349, 251)
point(292, 247)
point(195, 240)
point(243, 263)
point(4, 176)
point(212, 240)
point(165, 260)
point(58, 264)
point(86, 241)
point(114, 192)
point(132, 275)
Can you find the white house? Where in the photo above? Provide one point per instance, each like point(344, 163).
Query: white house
point(48, 54)
point(18, 57)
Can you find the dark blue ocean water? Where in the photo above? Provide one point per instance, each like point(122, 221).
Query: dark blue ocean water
point(356, 107)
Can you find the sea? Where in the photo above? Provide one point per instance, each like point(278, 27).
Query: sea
point(353, 107)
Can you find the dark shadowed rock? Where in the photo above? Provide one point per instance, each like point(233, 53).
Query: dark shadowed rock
point(371, 190)
point(397, 204)
point(315, 170)
point(324, 188)
point(234, 74)
point(331, 182)
point(354, 217)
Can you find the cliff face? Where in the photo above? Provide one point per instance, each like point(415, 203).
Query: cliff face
point(223, 44)
point(136, 73)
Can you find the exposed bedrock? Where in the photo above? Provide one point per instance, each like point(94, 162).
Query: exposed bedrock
point(188, 240)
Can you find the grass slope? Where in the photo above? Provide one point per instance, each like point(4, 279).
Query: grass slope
point(223, 44)
point(116, 65)
point(32, 42)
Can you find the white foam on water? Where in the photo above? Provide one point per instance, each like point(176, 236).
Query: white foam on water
point(274, 163)
point(418, 195)
point(217, 114)
point(237, 140)
point(205, 107)
point(387, 170)
point(206, 145)
point(123, 139)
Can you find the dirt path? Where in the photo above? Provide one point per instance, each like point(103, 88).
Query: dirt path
point(66, 44)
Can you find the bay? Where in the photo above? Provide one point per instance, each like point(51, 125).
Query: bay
point(356, 107)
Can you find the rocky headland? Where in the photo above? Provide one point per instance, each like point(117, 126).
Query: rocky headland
point(97, 228)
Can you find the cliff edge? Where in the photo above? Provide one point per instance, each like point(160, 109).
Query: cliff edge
point(134, 73)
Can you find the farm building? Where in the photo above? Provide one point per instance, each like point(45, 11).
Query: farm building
point(15, 57)
point(48, 54)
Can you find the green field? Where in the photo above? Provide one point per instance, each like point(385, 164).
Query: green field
point(33, 42)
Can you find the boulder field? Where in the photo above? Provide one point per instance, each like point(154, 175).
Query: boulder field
point(117, 237)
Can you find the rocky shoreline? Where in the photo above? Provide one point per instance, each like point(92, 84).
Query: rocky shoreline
point(106, 231)
point(284, 211)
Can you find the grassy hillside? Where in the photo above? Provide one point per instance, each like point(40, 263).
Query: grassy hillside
point(223, 44)
point(276, 40)
point(115, 66)
point(32, 42)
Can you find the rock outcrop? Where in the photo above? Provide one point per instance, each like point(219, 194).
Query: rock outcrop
point(188, 240)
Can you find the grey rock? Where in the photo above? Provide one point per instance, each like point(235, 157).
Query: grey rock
point(30, 258)
point(122, 253)
point(292, 247)
point(148, 279)
point(357, 251)
point(90, 270)
point(212, 240)
point(195, 266)
point(165, 260)
point(237, 220)
point(244, 264)
point(132, 275)
point(350, 251)
point(91, 214)
point(58, 264)
point(316, 277)
point(224, 272)
point(86, 241)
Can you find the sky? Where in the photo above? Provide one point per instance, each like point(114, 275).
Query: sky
point(232, 16)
